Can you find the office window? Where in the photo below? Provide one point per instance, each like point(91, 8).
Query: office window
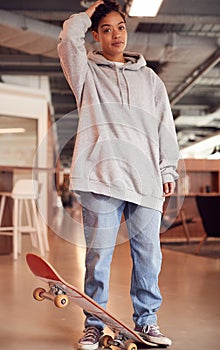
point(18, 141)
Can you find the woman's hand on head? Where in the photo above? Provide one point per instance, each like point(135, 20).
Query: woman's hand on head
point(93, 7)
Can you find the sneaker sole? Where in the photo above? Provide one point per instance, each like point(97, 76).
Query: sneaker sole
point(88, 346)
point(155, 340)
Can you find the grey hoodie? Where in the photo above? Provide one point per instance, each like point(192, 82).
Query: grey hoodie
point(126, 143)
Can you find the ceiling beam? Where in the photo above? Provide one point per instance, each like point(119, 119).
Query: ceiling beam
point(28, 35)
point(23, 64)
point(132, 22)
point(191, 80)
point(62, 15)
point(198, 102)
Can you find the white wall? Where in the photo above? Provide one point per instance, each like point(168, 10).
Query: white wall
point(18, 101)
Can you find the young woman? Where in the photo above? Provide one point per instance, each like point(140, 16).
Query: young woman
point(124, 160)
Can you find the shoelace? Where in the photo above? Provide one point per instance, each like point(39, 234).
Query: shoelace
point(154, 328)
point(90, 333)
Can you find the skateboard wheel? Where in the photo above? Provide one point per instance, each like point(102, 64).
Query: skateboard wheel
point(37, 294)
point(129, 345)
point(61, 300)
point(105, 341)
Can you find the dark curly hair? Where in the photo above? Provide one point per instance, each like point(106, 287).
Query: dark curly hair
point(103, 10)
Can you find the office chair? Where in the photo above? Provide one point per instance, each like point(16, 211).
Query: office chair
point(209, 210)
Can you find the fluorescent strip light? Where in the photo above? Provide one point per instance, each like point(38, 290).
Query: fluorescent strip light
point(145, 8)
point(12, 130)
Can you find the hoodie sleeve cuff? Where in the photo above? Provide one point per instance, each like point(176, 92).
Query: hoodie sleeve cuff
point(169, 176)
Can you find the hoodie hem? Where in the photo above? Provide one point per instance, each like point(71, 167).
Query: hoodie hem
point(118, 193)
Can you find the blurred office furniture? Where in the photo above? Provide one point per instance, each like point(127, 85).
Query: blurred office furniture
point(24, 195)
point(6, 185)
point(209, 210)
point(168, 223)
point(197, 177)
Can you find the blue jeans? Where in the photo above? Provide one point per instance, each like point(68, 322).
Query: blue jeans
point(101, 219)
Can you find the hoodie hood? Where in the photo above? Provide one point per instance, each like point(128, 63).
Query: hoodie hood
point(134, 61)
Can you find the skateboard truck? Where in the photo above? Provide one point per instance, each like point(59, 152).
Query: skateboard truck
point(119, 341)
point(55, 294)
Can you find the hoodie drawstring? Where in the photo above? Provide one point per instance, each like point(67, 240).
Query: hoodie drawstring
point(128, 102)
point(119, 85)
point(128, 90)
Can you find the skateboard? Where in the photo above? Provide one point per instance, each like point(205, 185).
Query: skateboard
point(61, 293)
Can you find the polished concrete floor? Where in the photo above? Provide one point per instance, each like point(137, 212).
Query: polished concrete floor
point(190, 313)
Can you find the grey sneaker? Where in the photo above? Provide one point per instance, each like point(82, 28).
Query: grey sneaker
point(152, 334)
point(90, 340)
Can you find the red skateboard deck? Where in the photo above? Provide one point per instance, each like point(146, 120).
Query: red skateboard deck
point(61, 292)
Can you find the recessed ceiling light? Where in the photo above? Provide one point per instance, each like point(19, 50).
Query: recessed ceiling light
point(145, 8)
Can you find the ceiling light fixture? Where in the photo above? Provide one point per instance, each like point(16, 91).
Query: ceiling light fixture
point(86, 3)
point(12, 130)
point(145, 8)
